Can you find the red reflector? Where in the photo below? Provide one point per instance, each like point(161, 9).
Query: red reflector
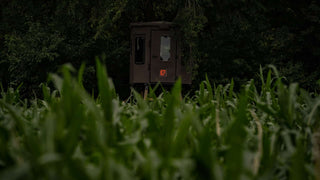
point(163, 72)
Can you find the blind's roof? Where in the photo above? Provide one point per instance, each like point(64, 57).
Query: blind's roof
point(153, 23)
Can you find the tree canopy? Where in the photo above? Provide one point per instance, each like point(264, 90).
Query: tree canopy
point(223, 39)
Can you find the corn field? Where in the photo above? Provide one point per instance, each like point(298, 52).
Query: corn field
point(266, 132)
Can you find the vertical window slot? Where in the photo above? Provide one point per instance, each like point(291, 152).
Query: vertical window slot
point(165, 45)
point(140, 50)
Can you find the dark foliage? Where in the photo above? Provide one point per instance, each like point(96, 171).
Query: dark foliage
point(223, 39)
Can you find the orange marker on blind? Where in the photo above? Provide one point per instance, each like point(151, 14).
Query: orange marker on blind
point(163, 72)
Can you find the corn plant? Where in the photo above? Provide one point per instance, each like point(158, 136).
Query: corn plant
point(266, 132)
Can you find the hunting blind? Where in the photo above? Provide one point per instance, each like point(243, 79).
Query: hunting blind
point(156, 54)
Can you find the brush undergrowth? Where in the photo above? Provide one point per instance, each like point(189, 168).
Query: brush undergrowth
point(270, 132)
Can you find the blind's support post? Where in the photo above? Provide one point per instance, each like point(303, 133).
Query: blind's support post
point(146, 89)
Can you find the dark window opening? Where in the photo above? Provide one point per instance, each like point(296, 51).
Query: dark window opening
point(140, 50)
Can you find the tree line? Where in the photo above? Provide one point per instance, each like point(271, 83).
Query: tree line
point(223, 39)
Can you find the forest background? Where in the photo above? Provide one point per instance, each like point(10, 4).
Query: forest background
point(224, 39)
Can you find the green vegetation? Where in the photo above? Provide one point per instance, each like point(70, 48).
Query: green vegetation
point(219, 38)
point(270, 130)
point(265, 132)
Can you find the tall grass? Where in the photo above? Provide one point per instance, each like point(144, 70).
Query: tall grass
point(270, 132)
